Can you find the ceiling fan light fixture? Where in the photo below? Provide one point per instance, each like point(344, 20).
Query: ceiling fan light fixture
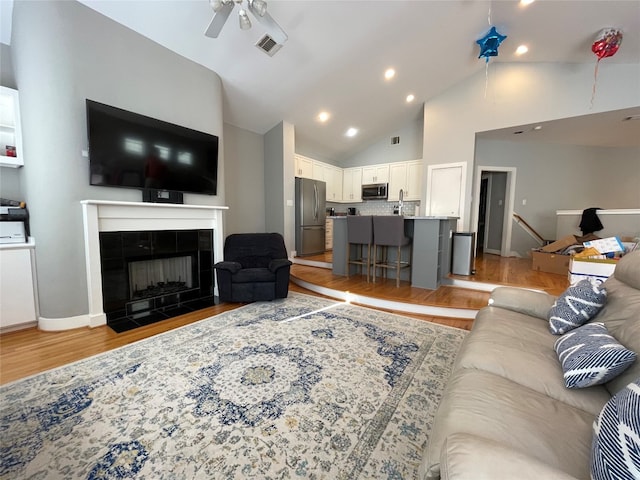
point(259, 6)
point(243, 18)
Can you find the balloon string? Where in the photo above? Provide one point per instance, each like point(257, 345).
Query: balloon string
point(489, 15)
point(486, 77)
point(595, 80)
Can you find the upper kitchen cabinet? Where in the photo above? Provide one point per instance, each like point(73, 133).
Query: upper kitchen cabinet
point(333, 178)
point(11, 154)
point(304, 167)
point(352, 184)
point(406, 176)
point(375, 174)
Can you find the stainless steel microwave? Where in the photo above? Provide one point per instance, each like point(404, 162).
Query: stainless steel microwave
point(375, 191)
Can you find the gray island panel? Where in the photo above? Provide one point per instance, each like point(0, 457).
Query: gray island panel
point(431, 257)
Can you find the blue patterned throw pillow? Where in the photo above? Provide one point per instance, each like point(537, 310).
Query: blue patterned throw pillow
point(576, 306)
point(615, 450)
point(590, 356)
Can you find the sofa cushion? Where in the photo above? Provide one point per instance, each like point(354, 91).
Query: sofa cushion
point(492, 407)
point(520, 348)
point(591, 356)
point(467, 457)
point(576, 306)
point(621, 316)
point(615, 452)
point(530, 302)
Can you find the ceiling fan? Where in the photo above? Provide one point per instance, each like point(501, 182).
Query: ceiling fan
point(258, 8)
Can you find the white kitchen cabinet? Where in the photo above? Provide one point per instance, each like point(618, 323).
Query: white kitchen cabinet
point(333, 178)
point(352, 184)
point(18, 294)
point(318, 171)
point(414, 180)
point(304, 167)
point(11, 154)
point(375, 174)
point(406, 176)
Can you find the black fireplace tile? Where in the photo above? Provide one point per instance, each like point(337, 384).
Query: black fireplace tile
point(187, 240)
point(151, 317)
point(206, 259)
point(164, 242)
point(205, 239)
point(136, 244)
point(122, 325)
point(110, 245)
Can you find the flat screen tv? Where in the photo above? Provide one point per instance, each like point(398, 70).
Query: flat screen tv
point(134, 151)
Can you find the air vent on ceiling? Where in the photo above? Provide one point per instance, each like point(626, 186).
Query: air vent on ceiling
point(395, 140)
point(268, 45)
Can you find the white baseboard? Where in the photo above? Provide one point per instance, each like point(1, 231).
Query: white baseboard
point(68, 323)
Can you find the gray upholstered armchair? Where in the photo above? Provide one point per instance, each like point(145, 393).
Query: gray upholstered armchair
point(255, 267)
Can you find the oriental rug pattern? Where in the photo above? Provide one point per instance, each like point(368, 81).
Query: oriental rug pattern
point(297, 388)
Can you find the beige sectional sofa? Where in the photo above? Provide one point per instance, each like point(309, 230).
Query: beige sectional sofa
point(506, 412)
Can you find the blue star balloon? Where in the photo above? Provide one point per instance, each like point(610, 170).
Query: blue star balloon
point(489, 44)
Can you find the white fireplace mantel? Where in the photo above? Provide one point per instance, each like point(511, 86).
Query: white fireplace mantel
point(111, 216)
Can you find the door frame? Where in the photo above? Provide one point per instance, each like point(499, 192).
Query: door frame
point(507, 224)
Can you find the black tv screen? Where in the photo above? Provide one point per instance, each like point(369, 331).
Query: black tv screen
point(134, 151)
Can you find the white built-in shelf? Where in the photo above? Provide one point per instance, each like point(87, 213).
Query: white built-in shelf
point(10, 133)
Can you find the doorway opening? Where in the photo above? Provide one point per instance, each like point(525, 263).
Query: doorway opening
point(494, 193)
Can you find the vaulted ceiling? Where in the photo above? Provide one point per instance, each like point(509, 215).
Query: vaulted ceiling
point(337, 53)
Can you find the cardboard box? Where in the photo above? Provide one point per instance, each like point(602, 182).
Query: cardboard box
point(550, 262)
point(560, 244)
point(606, 245)
point(590, 268)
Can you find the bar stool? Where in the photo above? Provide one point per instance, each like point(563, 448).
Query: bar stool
point(359, 233)
point(388, 231)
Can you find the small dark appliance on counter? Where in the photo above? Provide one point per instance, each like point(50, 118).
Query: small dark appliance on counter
point(351, 211)
point(14, 221)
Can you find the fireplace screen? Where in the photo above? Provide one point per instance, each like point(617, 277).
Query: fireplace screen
point(151, 278)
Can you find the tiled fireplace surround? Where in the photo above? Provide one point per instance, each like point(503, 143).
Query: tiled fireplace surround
point(150, 221)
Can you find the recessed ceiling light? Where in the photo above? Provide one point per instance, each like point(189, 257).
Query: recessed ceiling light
point(389, 73)
point(524, 3)
point(323, 116)
point(410, 98)
point(537, 127)
point(352, 132)
point(522, 49)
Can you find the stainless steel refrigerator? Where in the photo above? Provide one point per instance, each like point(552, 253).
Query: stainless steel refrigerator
point(310, 216)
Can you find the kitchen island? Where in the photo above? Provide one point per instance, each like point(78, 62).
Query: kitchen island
point(431, 253)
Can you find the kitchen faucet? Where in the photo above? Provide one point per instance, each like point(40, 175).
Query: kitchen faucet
point(400, 201)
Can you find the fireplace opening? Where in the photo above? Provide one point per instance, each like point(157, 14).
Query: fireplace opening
point(153, 278)
point(148, 276)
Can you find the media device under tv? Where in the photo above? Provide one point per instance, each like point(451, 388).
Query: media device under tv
point(130, 150)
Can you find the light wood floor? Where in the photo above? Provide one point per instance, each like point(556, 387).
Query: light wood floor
point(27, 352)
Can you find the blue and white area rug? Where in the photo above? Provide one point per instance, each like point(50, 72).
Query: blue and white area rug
point(298, 388)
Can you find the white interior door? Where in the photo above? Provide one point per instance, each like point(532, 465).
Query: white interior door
point(445, 190)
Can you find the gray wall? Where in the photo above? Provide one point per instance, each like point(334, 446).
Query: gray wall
point(554, 177)
point(517, 94)
point(409, 148)
point(244, 180)
point(64, 52)
point(7, 77)
point(273, 178)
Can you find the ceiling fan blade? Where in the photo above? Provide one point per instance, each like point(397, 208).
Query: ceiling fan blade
point(218, 20)
point(273, 29)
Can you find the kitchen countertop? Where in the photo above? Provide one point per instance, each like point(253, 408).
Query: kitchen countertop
point(406, 217)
